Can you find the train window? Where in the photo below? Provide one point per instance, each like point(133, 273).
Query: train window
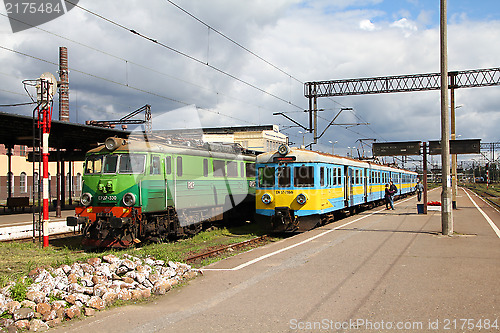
point(219, 168)
point(266, 176)
point(322, 176)
point(232, 169)
point(205, 167)
point(154, 168)
point(242, 169)
point(168, 165)
point(132, 163)
point(284, 177)
point(303, 176)
point(179, 166)
point(334, 175)
point(110, 163)
point(93, 164)
point(339, 176)
point(356, 176)
point(250, 170)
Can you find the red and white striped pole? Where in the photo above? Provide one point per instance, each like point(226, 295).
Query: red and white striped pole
point(47, 87)
point(45, 182)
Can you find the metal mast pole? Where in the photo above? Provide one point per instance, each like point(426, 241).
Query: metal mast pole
point(446, 210)
point(424, 175)
point(454, 177)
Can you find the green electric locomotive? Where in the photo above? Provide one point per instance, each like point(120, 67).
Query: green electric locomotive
point(135, 191)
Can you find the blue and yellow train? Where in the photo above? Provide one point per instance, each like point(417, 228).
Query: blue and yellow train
point(298, 189)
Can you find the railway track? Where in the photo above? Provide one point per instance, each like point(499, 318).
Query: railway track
point(51, 237)
point(491, 198)
point(218, 251)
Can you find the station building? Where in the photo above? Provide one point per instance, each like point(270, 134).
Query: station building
point(23, 178)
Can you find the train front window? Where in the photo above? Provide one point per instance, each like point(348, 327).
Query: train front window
point(93, 164)
point(303, 176)
point(110, 163)
point(266, 176)
point(284, 179)
point(132, 163)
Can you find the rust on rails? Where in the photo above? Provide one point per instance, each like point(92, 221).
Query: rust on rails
point(223, 249)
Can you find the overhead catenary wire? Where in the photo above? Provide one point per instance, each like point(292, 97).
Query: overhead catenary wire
point(182, 54)
point(243, 47)
point(114, 82)
point(233, 41)
point(96, 76)
point(128, 61)
point(16, 104)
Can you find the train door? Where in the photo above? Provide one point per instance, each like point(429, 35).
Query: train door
point(365, 184)
point(154, 185)
point(349, 186)
point(169, 182)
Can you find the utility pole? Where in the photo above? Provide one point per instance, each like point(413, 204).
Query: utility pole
point(446, 210)
point(424, 174)
point(454, 178)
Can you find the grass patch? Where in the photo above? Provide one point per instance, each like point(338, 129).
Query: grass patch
point(18, 259)
point(491, 189)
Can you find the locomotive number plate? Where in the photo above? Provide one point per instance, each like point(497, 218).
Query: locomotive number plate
point(106, 198)
point(284, 192)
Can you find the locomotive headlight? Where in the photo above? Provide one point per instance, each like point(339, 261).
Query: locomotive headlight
point(301, 199)
point(283, 149)
point(129, 199)
point(113, 143)
point(267, 198)
point(86, 199)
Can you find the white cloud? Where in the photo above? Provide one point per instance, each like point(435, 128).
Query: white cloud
point(367, 25)
point(407, 26)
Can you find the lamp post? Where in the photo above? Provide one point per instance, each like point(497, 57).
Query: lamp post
point(453, 156)
point(303, 144)
point(350, 149)
point(333, 146)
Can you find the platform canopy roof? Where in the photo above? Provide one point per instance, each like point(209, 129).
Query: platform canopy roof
point(72, 139)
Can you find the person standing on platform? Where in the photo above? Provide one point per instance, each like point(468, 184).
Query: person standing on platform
point(393, 190)
point(419, 188)
point(388, 197)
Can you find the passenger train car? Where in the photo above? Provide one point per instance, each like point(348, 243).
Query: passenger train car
point(298, 189)
point(139, 190)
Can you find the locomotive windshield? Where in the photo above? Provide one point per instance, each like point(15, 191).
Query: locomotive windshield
point(303, 176)
point(110, 163)
point(132, 163)
point(93, 164)
point(284, 179)
point(266, 176)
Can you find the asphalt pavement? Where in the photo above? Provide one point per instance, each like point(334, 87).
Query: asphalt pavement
point(378, 271)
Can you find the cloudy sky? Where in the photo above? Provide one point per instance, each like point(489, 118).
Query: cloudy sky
point(113, 71)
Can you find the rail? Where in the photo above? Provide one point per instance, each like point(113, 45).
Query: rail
point(218, 251)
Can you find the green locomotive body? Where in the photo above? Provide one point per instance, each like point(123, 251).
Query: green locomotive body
point(139, 190)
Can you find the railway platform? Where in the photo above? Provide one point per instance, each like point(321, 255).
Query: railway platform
point(20, 225)
point(377, 271)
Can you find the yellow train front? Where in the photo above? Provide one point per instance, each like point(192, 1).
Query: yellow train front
point(298, 189)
